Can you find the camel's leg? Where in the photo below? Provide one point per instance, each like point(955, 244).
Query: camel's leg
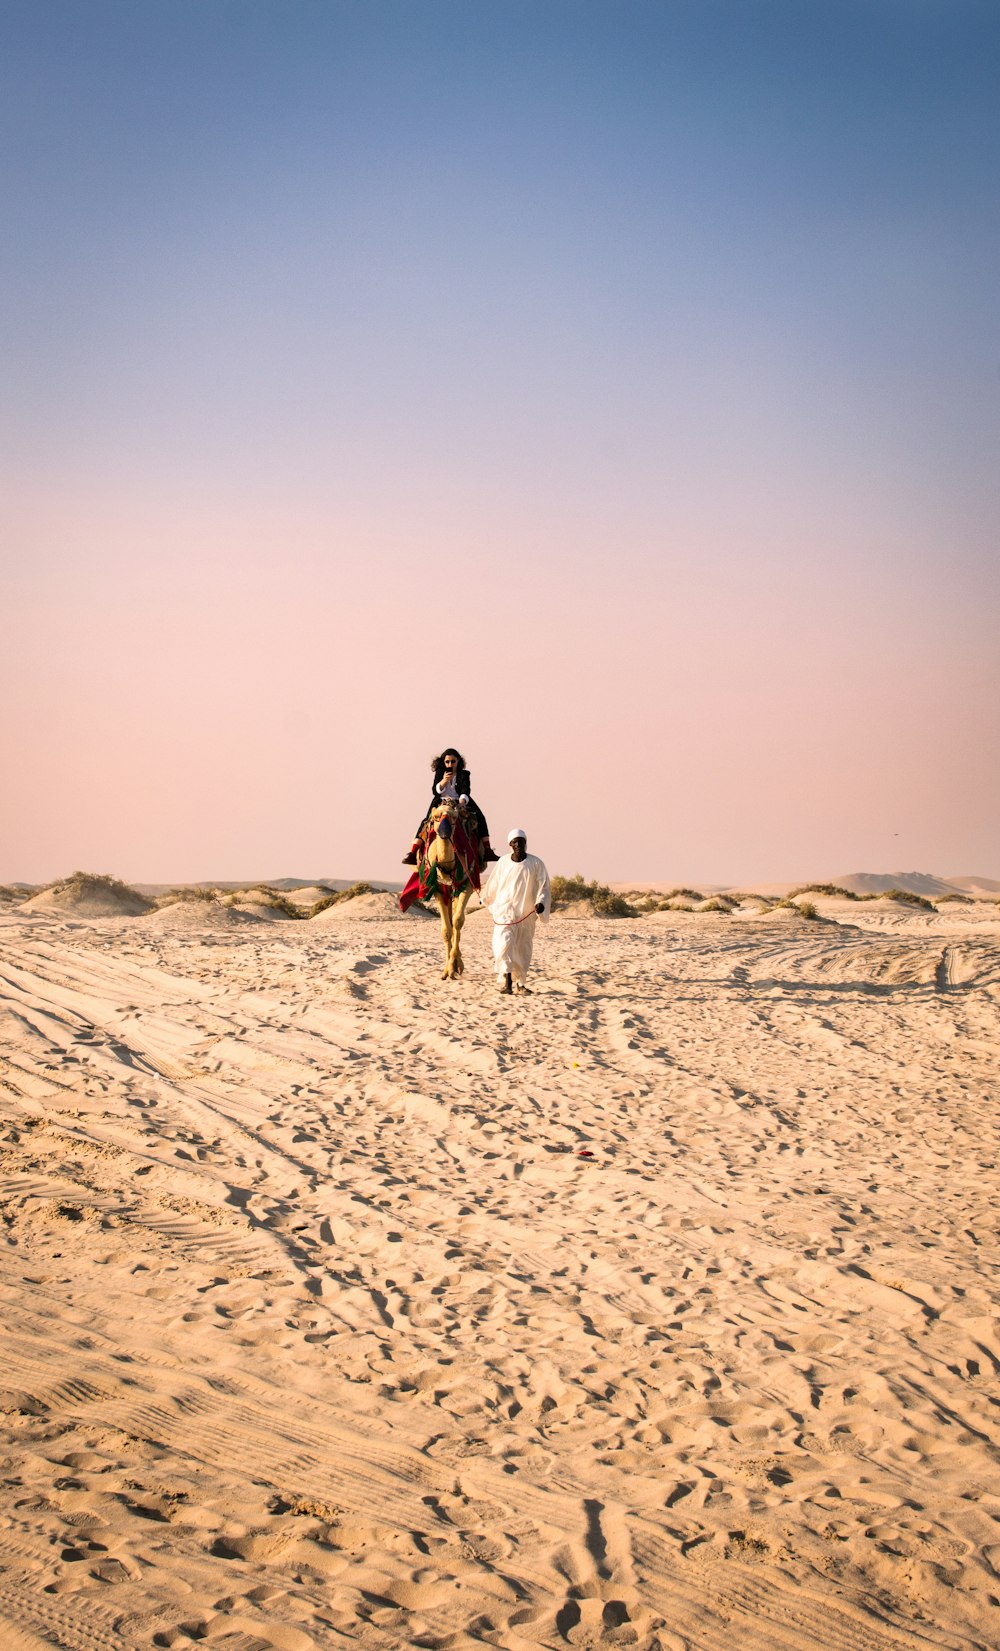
point(456, 966)
point(444, 907)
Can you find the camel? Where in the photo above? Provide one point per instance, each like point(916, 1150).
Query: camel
point(454, 874)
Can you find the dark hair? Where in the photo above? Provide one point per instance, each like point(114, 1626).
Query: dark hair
point(449, 751)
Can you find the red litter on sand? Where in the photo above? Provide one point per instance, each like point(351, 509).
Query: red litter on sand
point(585, 1152)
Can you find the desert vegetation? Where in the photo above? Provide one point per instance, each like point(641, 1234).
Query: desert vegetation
point(85, 887)
point(261, 894)
point(805, 908)
point(336, 897)
point(832, 890)
point(192, 891)
point(604, 901)
point(92, 882)
point(82, 889)
point(905, 898)
point(674, 900)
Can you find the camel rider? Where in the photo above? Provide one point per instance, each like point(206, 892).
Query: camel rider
point(453, 783)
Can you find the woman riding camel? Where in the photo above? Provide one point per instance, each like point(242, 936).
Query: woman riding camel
point(452, 783)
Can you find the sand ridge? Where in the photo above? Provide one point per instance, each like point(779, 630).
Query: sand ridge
point(343, 1306)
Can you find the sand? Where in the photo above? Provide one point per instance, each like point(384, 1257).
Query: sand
point(89, 897)
point(345, 1307)
point(379, 905)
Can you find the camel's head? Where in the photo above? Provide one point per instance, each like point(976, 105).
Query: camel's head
point(442, 849)
point(444, 817)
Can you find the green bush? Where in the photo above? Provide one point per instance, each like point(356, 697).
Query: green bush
point(567, 889)
point(604, 901)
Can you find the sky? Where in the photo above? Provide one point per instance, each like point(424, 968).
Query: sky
point(610, 390)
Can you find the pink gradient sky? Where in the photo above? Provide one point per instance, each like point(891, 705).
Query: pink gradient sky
point(639, 444)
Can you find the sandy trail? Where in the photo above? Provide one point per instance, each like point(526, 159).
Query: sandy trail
point(319, 1330)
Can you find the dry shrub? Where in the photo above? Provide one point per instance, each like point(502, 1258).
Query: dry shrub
point(832, 889)
point(260, 894)
point(805, 908)
point(83, 885)
point(92, 882)
point(673, 900)
point(338, 896)
point(189, 892)
point(905, 898)
point(715, 904)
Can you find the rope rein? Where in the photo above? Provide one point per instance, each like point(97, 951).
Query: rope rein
point(512, 924)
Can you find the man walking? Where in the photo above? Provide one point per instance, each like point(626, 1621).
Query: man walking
point(516, 894)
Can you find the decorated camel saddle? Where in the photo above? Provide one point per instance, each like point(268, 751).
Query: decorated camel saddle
point(447, 859)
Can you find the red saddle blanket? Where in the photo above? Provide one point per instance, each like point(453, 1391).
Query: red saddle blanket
point(424, 881)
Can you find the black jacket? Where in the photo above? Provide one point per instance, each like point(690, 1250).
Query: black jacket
point(463, 780)
point(463, 785)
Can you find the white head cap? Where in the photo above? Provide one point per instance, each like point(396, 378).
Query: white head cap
point(512, 836)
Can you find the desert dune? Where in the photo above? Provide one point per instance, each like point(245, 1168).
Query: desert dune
point(344, 1306)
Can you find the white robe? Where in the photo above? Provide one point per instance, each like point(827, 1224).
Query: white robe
point(511, 892)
